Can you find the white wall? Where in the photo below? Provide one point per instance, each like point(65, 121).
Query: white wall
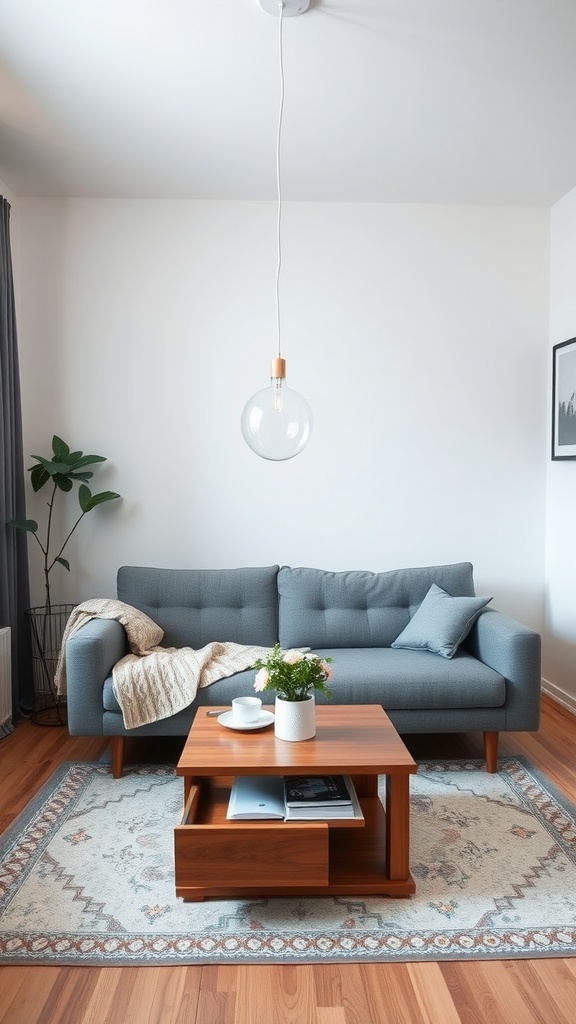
point(559, 662)
point(418, 334)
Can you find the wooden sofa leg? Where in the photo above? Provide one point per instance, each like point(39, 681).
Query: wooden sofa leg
point(491, 751)
point(117, 744)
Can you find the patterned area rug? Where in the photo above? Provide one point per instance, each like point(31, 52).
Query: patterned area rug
point(86, 876)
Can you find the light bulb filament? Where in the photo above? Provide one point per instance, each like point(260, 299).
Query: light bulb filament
point(277, 389)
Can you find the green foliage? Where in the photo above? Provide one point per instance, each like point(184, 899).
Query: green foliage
point(63, 471)
point(293, 674)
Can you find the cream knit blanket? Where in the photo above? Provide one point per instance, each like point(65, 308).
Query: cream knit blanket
point(152, 682)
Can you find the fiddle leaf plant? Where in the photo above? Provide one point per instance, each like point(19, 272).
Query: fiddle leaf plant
point(63, 471)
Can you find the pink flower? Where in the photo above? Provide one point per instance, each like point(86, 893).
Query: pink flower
point(262, 679)
point(326, 670)
point(292, 657)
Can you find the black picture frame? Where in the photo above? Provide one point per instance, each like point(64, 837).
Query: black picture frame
point(564, 400)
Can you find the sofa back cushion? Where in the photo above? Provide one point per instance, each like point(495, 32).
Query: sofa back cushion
point(322, 609)
point(197, 606)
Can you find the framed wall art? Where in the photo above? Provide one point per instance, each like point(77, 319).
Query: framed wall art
point(564, 400)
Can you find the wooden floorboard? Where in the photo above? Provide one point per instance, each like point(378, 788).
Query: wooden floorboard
point(500, 991)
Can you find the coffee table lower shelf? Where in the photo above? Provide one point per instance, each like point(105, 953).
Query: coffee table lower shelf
point(214, 857)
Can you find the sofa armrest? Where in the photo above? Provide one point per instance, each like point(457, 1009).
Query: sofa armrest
point(513, 650)
point(91, 654)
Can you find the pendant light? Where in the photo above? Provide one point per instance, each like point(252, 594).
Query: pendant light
point(277, 421)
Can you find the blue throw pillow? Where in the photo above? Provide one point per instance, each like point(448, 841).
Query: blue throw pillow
point(441, 623)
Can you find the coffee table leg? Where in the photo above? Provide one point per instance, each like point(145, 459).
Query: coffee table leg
point(398, 826)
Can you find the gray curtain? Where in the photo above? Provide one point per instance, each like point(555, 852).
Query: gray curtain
point(14, 586)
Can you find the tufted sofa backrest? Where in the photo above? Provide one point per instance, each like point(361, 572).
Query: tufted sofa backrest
point(197, 606)
point(300, 607)
point(321, 609)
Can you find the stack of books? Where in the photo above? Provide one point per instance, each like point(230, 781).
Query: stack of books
point(293, 798)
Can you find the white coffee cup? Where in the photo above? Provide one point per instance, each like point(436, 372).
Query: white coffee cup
point(246, 709)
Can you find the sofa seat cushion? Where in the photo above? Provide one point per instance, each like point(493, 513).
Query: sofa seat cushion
point(412, 679)
point(399, 680)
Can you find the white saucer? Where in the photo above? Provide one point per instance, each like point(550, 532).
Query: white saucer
point(264, 718)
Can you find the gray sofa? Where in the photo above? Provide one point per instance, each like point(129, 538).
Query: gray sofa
point(490, 680)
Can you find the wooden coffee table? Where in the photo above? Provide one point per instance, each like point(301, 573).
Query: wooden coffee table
point(246, 859)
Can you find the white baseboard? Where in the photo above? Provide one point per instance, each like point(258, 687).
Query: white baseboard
point(567, 700)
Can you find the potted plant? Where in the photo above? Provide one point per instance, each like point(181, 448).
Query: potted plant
point(62, 472)
point(295, 675)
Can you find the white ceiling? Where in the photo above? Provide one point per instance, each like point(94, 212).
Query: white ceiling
point(433, 101)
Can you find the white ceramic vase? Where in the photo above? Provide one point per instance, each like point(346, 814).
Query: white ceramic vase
point(295, 719)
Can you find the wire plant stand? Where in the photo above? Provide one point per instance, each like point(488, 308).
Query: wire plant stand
point(47, 627)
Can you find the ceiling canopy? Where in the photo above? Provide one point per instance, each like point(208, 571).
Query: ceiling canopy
point(411, 101)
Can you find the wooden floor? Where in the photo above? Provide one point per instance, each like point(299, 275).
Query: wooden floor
point(497, 992)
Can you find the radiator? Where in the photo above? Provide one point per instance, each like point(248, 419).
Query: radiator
point(5, 682)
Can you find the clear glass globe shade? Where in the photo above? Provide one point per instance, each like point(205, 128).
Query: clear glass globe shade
point(277, 422)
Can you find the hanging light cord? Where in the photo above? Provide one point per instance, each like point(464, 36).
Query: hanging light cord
point(278, 179)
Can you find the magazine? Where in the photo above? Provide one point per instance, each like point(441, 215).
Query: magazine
point(315, 790)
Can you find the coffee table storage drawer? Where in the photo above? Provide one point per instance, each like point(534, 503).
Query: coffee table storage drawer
point(253, 854)
point(213, 852)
